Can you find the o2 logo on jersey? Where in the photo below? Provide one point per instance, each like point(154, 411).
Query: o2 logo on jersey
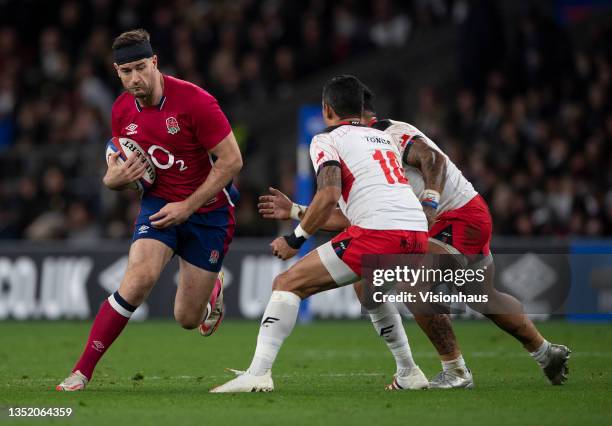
point(169, 162)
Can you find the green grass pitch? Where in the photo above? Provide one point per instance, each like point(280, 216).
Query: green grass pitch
point(327, 373)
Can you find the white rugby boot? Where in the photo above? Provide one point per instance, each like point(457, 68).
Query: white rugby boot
point(455, 378)
point(409, 379)
point(75, 382)
point(246, 382)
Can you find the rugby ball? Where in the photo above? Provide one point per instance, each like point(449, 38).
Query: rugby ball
point(126, 148)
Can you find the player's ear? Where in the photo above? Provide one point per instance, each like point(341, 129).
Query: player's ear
point(154, 61)
point(327, 111)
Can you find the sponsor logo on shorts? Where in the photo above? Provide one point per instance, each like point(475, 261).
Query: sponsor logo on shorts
point(446, 235)
point(131, 129)
point(143, 229)
point(409, 245)
point(214, 257)
point(172, 125)
point(341, 246)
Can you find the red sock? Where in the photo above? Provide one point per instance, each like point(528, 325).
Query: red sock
point(213, 299)
point(110, 321)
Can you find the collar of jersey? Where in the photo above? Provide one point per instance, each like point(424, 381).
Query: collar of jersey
point(159, 106)
point(348, 123)
point(344, 123)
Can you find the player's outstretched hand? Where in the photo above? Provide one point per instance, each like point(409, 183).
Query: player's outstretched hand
point(120, 174)
point(281, 249)
point(275, 205)
point(171, 214)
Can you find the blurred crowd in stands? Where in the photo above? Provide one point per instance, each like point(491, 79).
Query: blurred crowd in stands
point(530, 126)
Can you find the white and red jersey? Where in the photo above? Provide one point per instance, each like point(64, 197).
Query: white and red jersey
point(375, 192)
point(457, 190)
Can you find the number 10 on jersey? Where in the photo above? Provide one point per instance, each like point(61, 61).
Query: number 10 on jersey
point(393, 164)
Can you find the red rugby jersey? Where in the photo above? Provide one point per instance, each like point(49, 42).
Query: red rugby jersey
point(177, 133)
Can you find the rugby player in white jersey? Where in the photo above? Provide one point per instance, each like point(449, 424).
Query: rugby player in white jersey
point(383, 214)
point(460, 224)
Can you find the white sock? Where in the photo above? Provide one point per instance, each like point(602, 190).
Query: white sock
point(277, 323)
point(540, 354)
point(453, 363)
point(388, 324)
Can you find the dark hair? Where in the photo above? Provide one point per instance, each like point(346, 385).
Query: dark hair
point(131, 37)
point(368, 99)
point(344, 94)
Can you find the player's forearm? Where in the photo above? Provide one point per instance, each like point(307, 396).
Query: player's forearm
point(320, 211)
point(433, 168)
point(432, 165)
point(336, 221)
point(220, 175)
point(321, 208)
point(316, 216)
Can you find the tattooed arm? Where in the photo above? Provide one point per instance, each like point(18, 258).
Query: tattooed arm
point(336, 221)
point(432, 165)
point(276, 205)
point(324, 203)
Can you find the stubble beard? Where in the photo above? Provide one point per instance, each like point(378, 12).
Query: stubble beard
point(143, 95)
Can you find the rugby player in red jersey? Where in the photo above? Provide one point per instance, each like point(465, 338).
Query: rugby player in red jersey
point(189, 210)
